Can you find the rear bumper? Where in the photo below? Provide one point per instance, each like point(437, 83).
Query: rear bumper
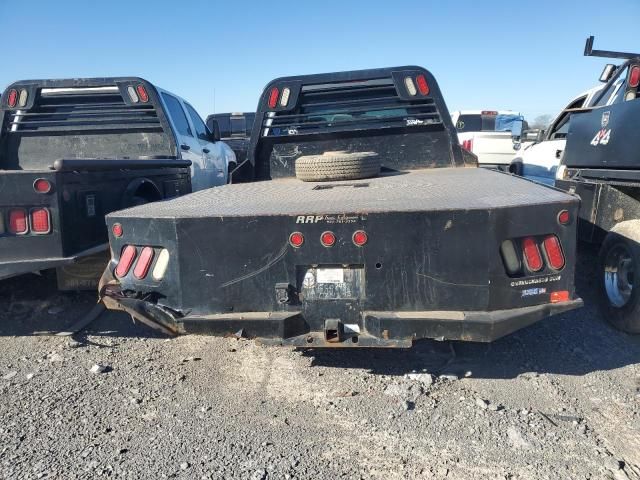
point(375, 329)
point(18, 267)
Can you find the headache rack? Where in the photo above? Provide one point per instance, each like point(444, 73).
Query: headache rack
point(82, 109)
point(590, 52)
point(350, 106)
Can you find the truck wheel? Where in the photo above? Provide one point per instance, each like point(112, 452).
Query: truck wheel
point(337, 166)
point(620, 279)
point(516, 167)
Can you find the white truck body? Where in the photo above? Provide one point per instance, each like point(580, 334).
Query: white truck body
point(489, 134)
point(539, 160)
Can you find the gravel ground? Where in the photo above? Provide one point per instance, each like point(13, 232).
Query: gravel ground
point(560, 399)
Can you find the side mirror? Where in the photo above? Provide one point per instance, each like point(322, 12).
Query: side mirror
point(214, 133)
point(516, 130)
point(607, 72)
point(540, 136)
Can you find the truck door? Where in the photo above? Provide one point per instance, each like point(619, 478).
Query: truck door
point(606, 136)
point(213, 156)
point(187, 143)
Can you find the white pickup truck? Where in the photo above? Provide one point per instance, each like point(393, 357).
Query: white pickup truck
point(493, 136)
point(539, 160)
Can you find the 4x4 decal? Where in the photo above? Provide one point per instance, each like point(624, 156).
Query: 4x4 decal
point(604, 134)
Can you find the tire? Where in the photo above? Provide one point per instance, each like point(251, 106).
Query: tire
point(516, 167)
point(337, 166)
point(619, 271)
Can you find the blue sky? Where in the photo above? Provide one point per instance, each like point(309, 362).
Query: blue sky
point(524, 55)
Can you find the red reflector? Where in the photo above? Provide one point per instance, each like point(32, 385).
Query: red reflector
point(554, 252)
point(40, 220)
point(13, 98)
point(142, 93)
point(423, 86)
point(564, 217)
point(360, 238)
point(42, 186)
point(117, 230)
point(634, 76)
point(468, 145)
point(328, 239)
point(561, 296)
point(296, 239)
point(273, 97)
point(532, 254)
point(127, 257)
point(18, 221)
point(144, 262)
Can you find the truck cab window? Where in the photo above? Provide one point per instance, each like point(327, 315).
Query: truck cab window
point(177, 115)
point(198, 124)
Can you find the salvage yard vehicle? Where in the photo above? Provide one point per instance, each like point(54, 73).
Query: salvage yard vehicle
point(601, 164)
point(235, 131)
point(367, 226)
point(493, 136)
point(72, 151)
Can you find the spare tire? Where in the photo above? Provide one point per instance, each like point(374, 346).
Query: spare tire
point(337, 166)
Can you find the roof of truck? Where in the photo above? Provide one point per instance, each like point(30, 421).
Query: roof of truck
point(426, 189)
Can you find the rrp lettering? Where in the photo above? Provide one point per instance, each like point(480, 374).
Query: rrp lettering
point(309, 218)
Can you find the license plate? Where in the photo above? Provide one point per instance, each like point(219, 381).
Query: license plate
point(331, 282)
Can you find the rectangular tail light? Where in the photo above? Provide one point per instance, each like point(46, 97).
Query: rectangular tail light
point(18, 222)
point(40, 220)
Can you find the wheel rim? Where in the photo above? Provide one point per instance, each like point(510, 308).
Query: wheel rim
point(619, 275)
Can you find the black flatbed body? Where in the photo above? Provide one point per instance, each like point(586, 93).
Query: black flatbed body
point(431, 265)
point(98, 151)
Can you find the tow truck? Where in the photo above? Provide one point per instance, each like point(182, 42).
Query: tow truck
point(365, 225)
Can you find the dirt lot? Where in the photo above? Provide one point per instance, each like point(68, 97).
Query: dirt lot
point(558, 400)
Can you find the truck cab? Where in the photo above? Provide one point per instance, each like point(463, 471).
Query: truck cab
point(235, 131)
point(72, 151)
point(540, 159)
point(492, 135)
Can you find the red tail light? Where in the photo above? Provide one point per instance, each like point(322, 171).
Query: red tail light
point(40, 220)
point(468, 145)
point(13, 98)
point(42, 185)
point(532, 255)
point(144, 262)
point(273, 97)
point(296, 239)
point(634, 76)
point(328, 239)
point(559, 296)
point(423, 86)
point(127, 257)
point(564, 217)
point(18, 223)
point(360, 237)
point(553, 249)
point(142, 93)
point(117, 230)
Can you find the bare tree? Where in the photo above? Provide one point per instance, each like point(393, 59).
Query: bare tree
point(541, 121)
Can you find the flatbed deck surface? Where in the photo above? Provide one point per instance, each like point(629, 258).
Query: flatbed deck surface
point(417, 190)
